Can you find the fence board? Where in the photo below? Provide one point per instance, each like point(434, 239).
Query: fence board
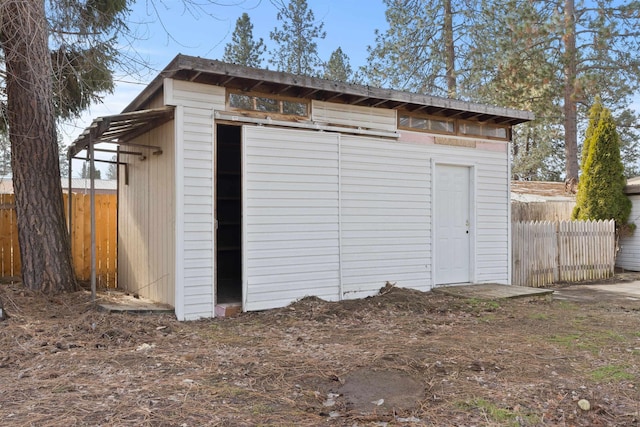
point(106, 245)
point(545, 252)
point(542, 211)
point(7, 235)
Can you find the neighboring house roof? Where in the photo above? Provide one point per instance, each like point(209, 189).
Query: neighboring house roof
point(135, 120)
point(540, 191)
point(633, 186)
point(78, 185)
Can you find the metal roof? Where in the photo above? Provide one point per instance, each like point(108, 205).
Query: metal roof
point(132, 122)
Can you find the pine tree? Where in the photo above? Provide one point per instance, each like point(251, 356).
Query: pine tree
point(297, 50)
point(63, 161)
point(338, 68)
point(243, 49)
point(84, 173)
point(5, 155)
point(553, 57)
point(601, 188)
point(112, 170)
point(56, 59)
point(423, 49)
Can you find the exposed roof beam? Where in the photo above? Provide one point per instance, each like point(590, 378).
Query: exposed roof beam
point(118, 127)
point(359, 100)
point(258, 83)
point(227, 81)
point(252, 78)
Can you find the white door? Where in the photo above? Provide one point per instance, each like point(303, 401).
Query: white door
point(291, 242)
point(452, 224)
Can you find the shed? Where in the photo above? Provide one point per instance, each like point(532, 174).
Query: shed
point(628, 257)
point(266, 187)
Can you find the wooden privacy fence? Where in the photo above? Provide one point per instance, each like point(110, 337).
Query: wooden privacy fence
point(545, 252)
point(106, 240)
point(542, 211)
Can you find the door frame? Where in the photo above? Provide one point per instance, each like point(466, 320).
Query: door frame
point(215, 246)
point(472, 167)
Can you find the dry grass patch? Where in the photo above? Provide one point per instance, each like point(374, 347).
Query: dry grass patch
point(510, 362)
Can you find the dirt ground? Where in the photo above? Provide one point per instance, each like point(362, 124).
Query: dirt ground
point(402, 358)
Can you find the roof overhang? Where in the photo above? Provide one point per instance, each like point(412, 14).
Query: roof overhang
point(632, 189)
point(242, 78)
point(133, 121)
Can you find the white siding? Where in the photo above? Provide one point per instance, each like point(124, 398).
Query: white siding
point(145, 219)
point(629, 255)
point(386, 217)
point(197, 220)
point(290, 216)
point(197, 95)
point(489, 209)
point(353, 115)
point(194, 255)
point(338, 216)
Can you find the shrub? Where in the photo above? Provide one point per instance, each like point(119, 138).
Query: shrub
point(601, 188)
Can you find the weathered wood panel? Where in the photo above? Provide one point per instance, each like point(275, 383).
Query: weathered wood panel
point(352, 115)
point(542, 211)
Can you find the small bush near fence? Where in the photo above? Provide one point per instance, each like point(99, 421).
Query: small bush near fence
point(545, 252)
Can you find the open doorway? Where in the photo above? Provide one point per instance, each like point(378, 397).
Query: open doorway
point(228, 211)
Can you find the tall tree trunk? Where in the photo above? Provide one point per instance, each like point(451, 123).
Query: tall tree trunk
point(450, 54)
point(42, 233)
point(570, 113)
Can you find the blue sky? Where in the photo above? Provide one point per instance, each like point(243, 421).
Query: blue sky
point(166, 28)
point(349, 24)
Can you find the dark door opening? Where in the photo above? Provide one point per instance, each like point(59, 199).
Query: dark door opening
point(228, 174)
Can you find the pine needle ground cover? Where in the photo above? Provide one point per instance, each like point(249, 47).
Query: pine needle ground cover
point(402, 358)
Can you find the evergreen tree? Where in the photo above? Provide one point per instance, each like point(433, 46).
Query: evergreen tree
point(84, 173)
point(297, 49)
point(55, 58)
point(601, 188)
point(338, 68)
point(63, 161)
point(112, 170)
point(423, 49)
point(553, 57)
point(594, 122)
point(243, 49)
point(5, 155)
point(550, 57)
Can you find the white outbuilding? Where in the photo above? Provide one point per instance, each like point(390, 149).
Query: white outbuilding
point(628, 256)
point(257, 187)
